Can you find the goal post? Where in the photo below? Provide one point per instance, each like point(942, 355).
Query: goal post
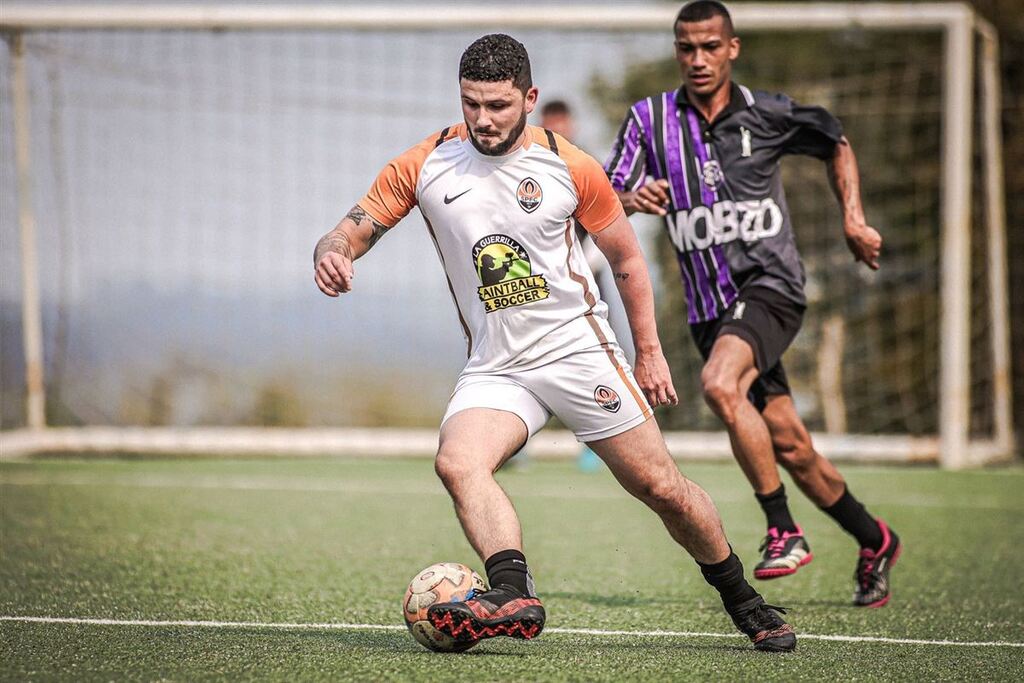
point(969, 64)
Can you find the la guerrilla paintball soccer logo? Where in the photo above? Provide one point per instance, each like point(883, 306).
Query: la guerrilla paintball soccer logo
point(607, 398)
point(506, 275)
point(529, 195)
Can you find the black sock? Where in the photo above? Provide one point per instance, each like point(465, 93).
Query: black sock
point(727, 578)
point(776, 509)
point(851, 515)
point(507, 569)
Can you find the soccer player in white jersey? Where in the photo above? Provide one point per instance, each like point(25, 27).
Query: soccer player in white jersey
point(499, 199)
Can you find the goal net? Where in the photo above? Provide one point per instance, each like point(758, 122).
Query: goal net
point(179, 163)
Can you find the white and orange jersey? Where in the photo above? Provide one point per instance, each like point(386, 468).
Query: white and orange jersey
point(503, 228)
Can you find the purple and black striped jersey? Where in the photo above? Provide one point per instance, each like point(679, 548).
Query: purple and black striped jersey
point(727, 216)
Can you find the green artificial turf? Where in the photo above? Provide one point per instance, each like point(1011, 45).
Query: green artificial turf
point(336, 541)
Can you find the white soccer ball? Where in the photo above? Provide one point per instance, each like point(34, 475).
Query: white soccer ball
point(442, 582)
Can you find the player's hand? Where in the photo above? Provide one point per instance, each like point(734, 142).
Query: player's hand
point(651, 198)
point(865, 243)
point(654, 378)
point(334, 274)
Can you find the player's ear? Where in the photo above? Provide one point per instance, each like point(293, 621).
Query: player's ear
point(531, 99)
point(734, 47)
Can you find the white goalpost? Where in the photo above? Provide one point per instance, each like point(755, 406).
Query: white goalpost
point(104, 102)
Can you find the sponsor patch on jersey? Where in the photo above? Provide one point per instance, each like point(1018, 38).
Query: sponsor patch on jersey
point(711, 171)
point(607, 398)
point(723, 222)
point(506, 275)
point(529, 195)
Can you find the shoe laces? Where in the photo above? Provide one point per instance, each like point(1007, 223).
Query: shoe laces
point(865, 574)
point(777, 608)
point(775, 545)
point(762, 617)
point(496, 596)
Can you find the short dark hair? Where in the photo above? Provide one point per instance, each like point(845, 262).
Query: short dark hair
point(556, 108)
point(497, 57)
point(702, 10)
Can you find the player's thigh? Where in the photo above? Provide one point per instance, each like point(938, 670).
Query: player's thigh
point(488, 419)
point(766, 320)
point(481, 437)
point(731, 362)
point(733, 365)
point(639, 459)
point(768, 386)
point(593, 392)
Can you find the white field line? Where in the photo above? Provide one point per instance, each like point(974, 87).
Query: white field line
point(566, 631)
point(426, 488)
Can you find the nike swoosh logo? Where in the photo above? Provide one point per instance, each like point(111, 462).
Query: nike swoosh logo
point(449, 200)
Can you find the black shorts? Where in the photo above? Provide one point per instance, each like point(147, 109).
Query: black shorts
point(766, 320)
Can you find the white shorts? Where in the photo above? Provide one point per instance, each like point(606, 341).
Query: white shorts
point(592, 392)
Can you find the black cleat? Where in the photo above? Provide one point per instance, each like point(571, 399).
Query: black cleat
point(872, 575)
point(497, 612)
point(763, 625)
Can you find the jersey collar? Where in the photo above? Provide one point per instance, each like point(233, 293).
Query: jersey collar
point(740, 98)
point(472, 151)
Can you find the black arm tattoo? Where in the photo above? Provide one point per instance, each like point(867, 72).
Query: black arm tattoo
point(338, 241)
point(622, 276)
point(357, 215)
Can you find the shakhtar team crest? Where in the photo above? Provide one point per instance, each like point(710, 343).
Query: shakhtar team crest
point(505, 273)
point(712, 174)
point(607, 398)
point(529, 195)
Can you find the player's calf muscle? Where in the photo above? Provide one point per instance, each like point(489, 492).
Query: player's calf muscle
point(684, 507)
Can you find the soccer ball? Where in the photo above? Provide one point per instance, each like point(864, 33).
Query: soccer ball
point(441, 582)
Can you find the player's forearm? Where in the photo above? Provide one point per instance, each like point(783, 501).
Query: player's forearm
point(634, 285)
point(352, 237)
point(626, 198)
point(844, 177)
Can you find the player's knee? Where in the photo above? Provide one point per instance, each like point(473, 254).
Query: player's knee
point(661, 494)
point(453, 465)
point(722, 395)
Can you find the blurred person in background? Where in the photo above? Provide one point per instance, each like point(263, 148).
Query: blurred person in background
point(556, 116)
point(706, 157)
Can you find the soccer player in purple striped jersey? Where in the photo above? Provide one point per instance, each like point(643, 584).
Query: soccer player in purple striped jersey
point(706, 157)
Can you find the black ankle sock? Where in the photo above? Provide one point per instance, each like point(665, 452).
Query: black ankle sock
point(776, 509)
point(851, 515)
point(727, 578)
point(507, 568)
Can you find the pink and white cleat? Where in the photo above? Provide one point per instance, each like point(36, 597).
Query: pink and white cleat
point(782, 553)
